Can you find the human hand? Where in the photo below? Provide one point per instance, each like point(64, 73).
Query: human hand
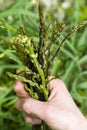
point(59, 112)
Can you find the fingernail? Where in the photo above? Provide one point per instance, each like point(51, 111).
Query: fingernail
point(37, 121)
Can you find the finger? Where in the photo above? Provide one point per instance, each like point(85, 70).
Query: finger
point(18, 105)
point(32, 106)
point(57, 88)
point(31, 119)
point(19, 89)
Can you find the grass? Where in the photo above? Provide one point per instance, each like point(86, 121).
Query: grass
point(72, 61)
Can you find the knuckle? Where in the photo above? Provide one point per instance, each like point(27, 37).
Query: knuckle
point(57, 83)
point(27, 120)
point(49, 111)
point(26, 106)
point(18, 87)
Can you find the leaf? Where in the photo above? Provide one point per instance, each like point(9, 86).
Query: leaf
point(5, 52)
point(7, 26)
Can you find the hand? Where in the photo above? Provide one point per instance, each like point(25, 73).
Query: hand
point(59, 112)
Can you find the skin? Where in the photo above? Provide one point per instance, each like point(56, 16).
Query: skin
point(59, 112)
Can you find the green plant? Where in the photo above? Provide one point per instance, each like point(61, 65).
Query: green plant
point(36, 58)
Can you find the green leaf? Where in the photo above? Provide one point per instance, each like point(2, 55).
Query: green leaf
point(5, 52)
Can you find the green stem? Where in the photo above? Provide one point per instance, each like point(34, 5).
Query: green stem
point(42, 126)
point(18, 77)
point(36, 127)
point(40, 71)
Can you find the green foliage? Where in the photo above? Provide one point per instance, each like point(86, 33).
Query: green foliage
point(70, 65)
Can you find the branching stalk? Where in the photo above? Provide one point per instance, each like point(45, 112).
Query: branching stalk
point(74, 29)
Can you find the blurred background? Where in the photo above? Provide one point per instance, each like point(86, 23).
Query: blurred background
point(72, 61)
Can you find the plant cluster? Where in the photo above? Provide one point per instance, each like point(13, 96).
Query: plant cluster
point(37, 60)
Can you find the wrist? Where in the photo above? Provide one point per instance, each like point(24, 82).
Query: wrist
point(79, 124)
point(82, 125)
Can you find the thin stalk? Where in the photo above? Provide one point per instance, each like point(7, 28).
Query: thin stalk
point(41, 34)
point(74, 29)
point(56, 34)
point(53, 41)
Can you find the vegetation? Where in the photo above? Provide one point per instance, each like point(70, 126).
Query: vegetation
point(19, 51)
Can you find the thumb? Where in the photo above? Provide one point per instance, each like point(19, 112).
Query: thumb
point(34, 107)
